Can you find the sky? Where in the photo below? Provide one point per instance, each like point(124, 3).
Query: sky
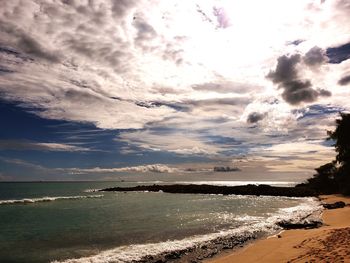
point(166, 90)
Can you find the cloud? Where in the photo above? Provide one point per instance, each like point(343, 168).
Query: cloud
point(120, 8)
point(315, 57)
point(324, 93)
point(286, 75)
point(344, 80)
point(286, 70)
point(145, 33)
point(4, 177)
point(297, 91)
point(186, 78)
point(302, 156)
point(295, 42)
point(171, 141)
point(224, 87)
point(155, 168)
point(19, 162)
point(223, 20)
point(203, 14)
point(16, 37)
point(19, 145)
point(255, 117)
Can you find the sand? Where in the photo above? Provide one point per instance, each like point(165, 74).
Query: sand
point(329, 243)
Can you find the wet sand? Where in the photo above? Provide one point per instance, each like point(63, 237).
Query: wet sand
point(329, 243)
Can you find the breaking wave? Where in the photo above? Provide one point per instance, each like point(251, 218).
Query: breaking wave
point(46, 199)
point(309, 209)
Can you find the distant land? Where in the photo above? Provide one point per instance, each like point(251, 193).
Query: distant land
point(225, 169)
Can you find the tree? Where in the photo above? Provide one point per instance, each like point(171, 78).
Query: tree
point(341, 136)
point(324, 181)
point(334, 177)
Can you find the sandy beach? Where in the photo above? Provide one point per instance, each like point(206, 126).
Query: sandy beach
point(329, 243)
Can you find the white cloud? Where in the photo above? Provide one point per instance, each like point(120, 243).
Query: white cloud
point(40, 146)
point(155, 168)
point(19, 162)
point(176, 142)
point(302, 156)
point(184, 67)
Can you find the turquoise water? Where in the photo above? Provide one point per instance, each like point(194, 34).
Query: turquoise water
point(35, 228)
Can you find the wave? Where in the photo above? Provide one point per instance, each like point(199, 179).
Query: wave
point(254, 228)
point(91, 190)
point(46, 199)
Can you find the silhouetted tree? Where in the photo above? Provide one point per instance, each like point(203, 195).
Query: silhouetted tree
point(334, 177)
point(324, 181)
point(341, 136)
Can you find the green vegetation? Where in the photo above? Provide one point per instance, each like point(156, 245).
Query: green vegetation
point(334, 177)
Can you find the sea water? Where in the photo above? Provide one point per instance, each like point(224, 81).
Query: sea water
point(71, 222)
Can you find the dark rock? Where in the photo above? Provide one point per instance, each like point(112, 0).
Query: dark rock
point(225, 169)
point(199, 252)
point(335, 205)
point(225, 190)
point(305, 225)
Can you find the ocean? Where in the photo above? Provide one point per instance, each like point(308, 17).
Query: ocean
point(71, 222)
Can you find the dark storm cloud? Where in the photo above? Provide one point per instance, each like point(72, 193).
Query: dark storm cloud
point(338, 54)
point(297, 91)
point(24, 42)
point(314, 57)
point(285, 70)
point(344, 80)
point(255, 117)
point(286, 75)
point(324, 93)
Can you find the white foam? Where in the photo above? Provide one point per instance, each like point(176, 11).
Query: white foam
point(46, 199)
point(268, 225)
point(91, 190)
point(310, 209)
point(131, 253)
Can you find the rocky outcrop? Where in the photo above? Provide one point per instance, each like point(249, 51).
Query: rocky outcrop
point(225, 190)
point(225, 169)
point(304, 225)
point(335, 205)
point(199, 252)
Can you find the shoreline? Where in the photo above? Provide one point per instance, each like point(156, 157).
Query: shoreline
point(329, 243)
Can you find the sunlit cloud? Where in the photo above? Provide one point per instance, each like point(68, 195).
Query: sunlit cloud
point(218, 78)
point(152, 168)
